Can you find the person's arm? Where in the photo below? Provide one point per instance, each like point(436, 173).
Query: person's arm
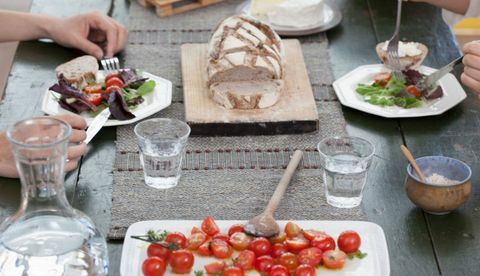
point(456, 6)
point(18, 26)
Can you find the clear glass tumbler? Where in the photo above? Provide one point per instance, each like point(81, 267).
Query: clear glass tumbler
point(46, 236)
point(345, 161)
point(162, 143)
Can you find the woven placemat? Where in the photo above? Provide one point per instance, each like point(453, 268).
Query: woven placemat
point(225, 177)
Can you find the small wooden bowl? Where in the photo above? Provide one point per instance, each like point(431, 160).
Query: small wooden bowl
point(439, 199)
point(406, 62)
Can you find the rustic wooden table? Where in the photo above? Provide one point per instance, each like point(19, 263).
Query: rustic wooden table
point(419, 243)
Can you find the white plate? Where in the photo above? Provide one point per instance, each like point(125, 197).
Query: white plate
point(331, 18)
point(154, 102)
point(376, 263)
point(345, 86)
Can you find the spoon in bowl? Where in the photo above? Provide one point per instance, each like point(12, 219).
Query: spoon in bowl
point(264, 225)
point(412, 161)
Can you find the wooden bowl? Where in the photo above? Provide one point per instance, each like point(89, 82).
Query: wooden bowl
point(406, 62)
point(435, 198)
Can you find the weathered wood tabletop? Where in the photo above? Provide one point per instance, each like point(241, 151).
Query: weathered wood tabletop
point(419, 243)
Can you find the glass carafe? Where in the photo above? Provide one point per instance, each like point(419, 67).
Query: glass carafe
point(46, 236)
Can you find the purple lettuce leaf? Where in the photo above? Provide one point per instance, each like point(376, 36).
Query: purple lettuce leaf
point(412, 77)
point(118, 107)
point(68, 91)
point(131, 79)
point(437, 93)
point(75, 107)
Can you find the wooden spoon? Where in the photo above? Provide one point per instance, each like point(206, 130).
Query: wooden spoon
point(412, 161)
point(264, 225)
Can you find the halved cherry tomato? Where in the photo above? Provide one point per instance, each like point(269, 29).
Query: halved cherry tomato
point(349, 241)
point(158, 251)
point(221, 249)
point(205, 249)
point(334, 259)
point(278, 249)
point(278, 270)
point(233, 271)
point(245, 260)
point(112, 88)
point(215, 267)
point(323, 242)
point(240, 240)
point(94, 88)
point(382, 78)
point(413, 90)
point(292, 230)
point(281, 237)
point(289, 260)
point(154, 266)
point(261, 246)
point(195, 240)
point(210, 227)
point(235, 228)
point(264, 263)
point(196, 230)
point(181, 261)
point(310, 256)
point(95, 99)
point(222, 237)
point(114, 81)
point(311, 234)
point(176, 238)
point(305, 270)
point(113, 75)
point(297, 244)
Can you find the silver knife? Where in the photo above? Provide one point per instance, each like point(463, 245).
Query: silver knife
point(431, 79)
point(97, 124)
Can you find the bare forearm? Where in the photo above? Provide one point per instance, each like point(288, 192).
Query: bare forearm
point(456, 6)
point(16, 26)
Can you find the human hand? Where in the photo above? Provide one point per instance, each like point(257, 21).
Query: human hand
point(76, 147)
point(94, 33)
point(471, 72)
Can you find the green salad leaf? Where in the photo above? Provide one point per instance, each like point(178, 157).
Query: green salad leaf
point(146, 88)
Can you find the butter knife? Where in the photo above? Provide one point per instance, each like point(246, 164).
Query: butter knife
point(429, 82)
point(97, 124)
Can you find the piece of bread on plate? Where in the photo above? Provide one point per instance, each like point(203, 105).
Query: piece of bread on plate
point(406, 62)
point(78, 71)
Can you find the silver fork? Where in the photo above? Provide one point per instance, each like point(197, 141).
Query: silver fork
point(110, 65)
point(392, 49)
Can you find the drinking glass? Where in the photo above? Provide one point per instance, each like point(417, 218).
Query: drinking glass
point(345, 161)
point(162, 143)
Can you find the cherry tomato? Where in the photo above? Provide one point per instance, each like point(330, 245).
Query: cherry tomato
point(113, 88)
point(221, 249)
point(261, 246)
point(413, 90)
point(113, 75)
point(114, 81)
point(205, 249)
point(280, 238)
point(215, 267)
point(176, 238)
point(382, 78)
point(158, 251)
point(94, 88)
point(196, 230)
point(305, 270)
point(323, 242)
point(334, 259)
point(210, 227)
point(235, 228)
point(195, 240)
point(245, 260)
point(154, 266)
point(95, 99)
point(278, 270)
point(292, 230)
point(349, 241)
point(297, 244)
point(311, 234)
point(222, 237)
point(289, 260)
point(264, 263)
point(181, 261)
point(233, 271)
point(310, 256)
point(278, 249)
point(240, 240)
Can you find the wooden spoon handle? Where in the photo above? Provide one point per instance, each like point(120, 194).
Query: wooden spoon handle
point(412, 161)
point(283, 184)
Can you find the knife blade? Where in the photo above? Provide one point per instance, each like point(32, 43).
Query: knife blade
point(97, 124)
point(435, 76)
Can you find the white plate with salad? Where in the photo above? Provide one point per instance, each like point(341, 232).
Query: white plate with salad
point(371, 89)
point(131, 95)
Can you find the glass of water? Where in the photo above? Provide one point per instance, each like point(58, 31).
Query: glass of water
point(345, 161)
point(162, 143)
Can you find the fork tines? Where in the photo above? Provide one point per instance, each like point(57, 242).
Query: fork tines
point(111, 65)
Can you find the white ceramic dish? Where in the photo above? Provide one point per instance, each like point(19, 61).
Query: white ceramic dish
point(346, 85)
point(154, 102)
point(376, 263)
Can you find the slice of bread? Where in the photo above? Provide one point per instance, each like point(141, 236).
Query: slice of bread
point(407, 62)
point(78, 71)
point(246, 94)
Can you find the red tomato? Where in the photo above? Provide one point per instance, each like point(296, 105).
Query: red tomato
point(154, 266)
point(233, 271)
point(114, 81)
point(235, 228)
point(264, 263)
point(210, 227)
point(221, 249)
point(261, 246)
point(94, 88)
point(240, 240)
point(310, 256)
point(195, 240)
point(113, 75)
point(292, 230)
point(176, 238)
point(113, 88)
point(323, 242)
point(245, 260)
point(334, 259)
point(305, 270)
point(222, 237)
point(413, 90)
point(278, 270)
point(278, 249)
point(349, 241)
point(289, 260)
point(95, 99)
point(382, 78)
point(280, 238)
point(205, 250)
point(181, 261)
point(196, 230)
point(297, 244)
point(158, 251)
point(311, 234)
point(215, 267)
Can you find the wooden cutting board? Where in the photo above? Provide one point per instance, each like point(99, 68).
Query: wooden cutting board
point(296, 111)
